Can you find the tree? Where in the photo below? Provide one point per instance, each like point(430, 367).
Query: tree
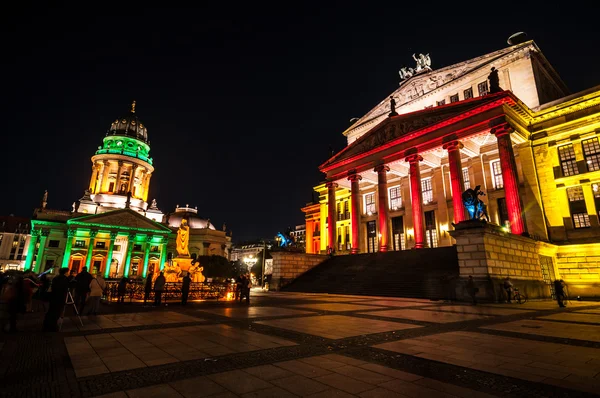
point(216, 267)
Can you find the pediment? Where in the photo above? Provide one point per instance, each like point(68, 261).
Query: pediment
point(123, 219)
point(419, 85)
point(395, 127)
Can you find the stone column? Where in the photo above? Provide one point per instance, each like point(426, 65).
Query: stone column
point(68, 246)
point(331, 215)
point(94, 178)
point(104, 176)
point(456, 179)
point(163, 253)
point(509, 177)
point(416, 200)
point(130, 242)
point(88, 256)
point(40, 254)
point(35, 233)
point(109, 255)
point(132, 177)
point(355, 211)
point(310, 228)
point(118, 181)
point(146, 187)
point(382, 206)
point(147, 255)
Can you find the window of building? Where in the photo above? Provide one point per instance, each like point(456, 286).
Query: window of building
point(497, 174)
point(483, 88)
point(577, 207)
point(340, 246)
point(75, 265)
point(395, 198)
point(566, 154)
point(100, 245)
point(468, 93)
point(53, 243)
point(503, 212)
point(347, 237)
point(371, 236)
point(454, 98)
point(49, 264)
point(137, 247)
point(427, 190)
point(96, 267)
point(399, 242)
point(134, 268)
point(15, 243)
point(591, 151)
point(346, 211)
point(340, 216)
point(370, 203)
point(430, 229)
point(117, 248)
point(111, 187)
point(440, 103)
point(154, 248)
point(466, 178)
point(79, 243)
point(22, 241)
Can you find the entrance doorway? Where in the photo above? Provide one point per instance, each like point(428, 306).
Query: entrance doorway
point(372, 236)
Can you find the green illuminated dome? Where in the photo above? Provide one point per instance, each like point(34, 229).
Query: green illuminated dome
point(129, 126)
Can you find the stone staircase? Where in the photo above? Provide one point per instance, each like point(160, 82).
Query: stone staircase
point(408, 273)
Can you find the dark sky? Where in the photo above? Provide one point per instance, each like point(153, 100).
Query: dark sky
point(241, 102)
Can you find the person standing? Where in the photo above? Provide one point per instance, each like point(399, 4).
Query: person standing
point(97, 286)
point(559, 290)
point(122, 290)
point(508, 287)
point(82, 288)
point(148, 287)
point(185, 288)
point(59, 288)
point(159, 286)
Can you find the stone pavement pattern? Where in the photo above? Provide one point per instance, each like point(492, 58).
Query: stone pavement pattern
point(310, 345)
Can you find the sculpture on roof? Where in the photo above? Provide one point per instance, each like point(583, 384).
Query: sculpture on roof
point(45, 199)
point(494, 81)
point(406, 73)
point(392, 106)
point(423, 63)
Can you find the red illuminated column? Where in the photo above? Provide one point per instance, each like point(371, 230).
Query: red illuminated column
point(417, 200)
point(355, 210)
point(456, 179)
point(331, 214)
point(382, 206)
point(509, 177)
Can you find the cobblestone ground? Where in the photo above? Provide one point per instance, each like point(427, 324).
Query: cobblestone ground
point(314, 345)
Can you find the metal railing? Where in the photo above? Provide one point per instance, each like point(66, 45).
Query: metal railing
point(198, 291)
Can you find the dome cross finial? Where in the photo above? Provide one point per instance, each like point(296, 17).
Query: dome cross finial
point(133, 107)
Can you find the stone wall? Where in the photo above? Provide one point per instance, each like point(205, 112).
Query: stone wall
point(579, 267)
point(489, 254)
point(288, 266)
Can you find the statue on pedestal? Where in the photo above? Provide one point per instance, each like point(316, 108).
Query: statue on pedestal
point(45, 199)
point(475, 206)
point(494, 81)
point(183, 239)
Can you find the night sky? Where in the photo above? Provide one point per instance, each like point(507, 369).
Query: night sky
point(242, 103)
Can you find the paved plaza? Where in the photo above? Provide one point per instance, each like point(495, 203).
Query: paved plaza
point(310, 345)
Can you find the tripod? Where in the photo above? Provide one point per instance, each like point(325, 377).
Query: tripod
point(69, 300)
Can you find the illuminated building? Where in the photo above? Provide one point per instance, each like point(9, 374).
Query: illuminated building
point(14, 241)
point(532, 148)
point(112, 230)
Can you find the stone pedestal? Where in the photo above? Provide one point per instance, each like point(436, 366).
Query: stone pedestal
point(490, 254)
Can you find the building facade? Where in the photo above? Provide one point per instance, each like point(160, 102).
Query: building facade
point(14, 242)
point(112, 230)
point(503, 122)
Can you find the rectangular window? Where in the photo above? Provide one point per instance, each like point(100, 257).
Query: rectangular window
point(466, 178)
point(49, 264)
point(497, 174)
point(117, 248)
point(503, 212)
point(96, 267)
point(468, 93)
point(427, 190)
point(577, 207)
point(75, 265)
point(454, 98)
point(370, 203)
point(591, 151)
point(154, 248)
point(596, 191)
point(79, 243)
point(339, 211)
point(137, 247)
point(22, 241)
point(53, 243)
point(371, 236)
point(111, 187)
point(100, 245)
point(347, 209)
point(398, 233)
point(134, 268)
point(430, 229)
point(483, 88)
point(347, 240)
point(440, 103)
point(566, 154)
point(395, 198)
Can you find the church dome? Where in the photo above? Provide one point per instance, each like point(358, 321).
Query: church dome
point(189, 213)
point(129, 126)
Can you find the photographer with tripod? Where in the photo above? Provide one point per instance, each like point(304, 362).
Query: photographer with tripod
point(58, 297)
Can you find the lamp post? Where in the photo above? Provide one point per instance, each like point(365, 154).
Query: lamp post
point(264, 256)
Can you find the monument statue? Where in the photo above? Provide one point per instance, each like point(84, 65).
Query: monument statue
point(45, 199)
point(195, 272)
point(423, 63)
point(406, 73)
point(183, 239)
point(494, 81)
point(475, 206)
point(392, 106)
